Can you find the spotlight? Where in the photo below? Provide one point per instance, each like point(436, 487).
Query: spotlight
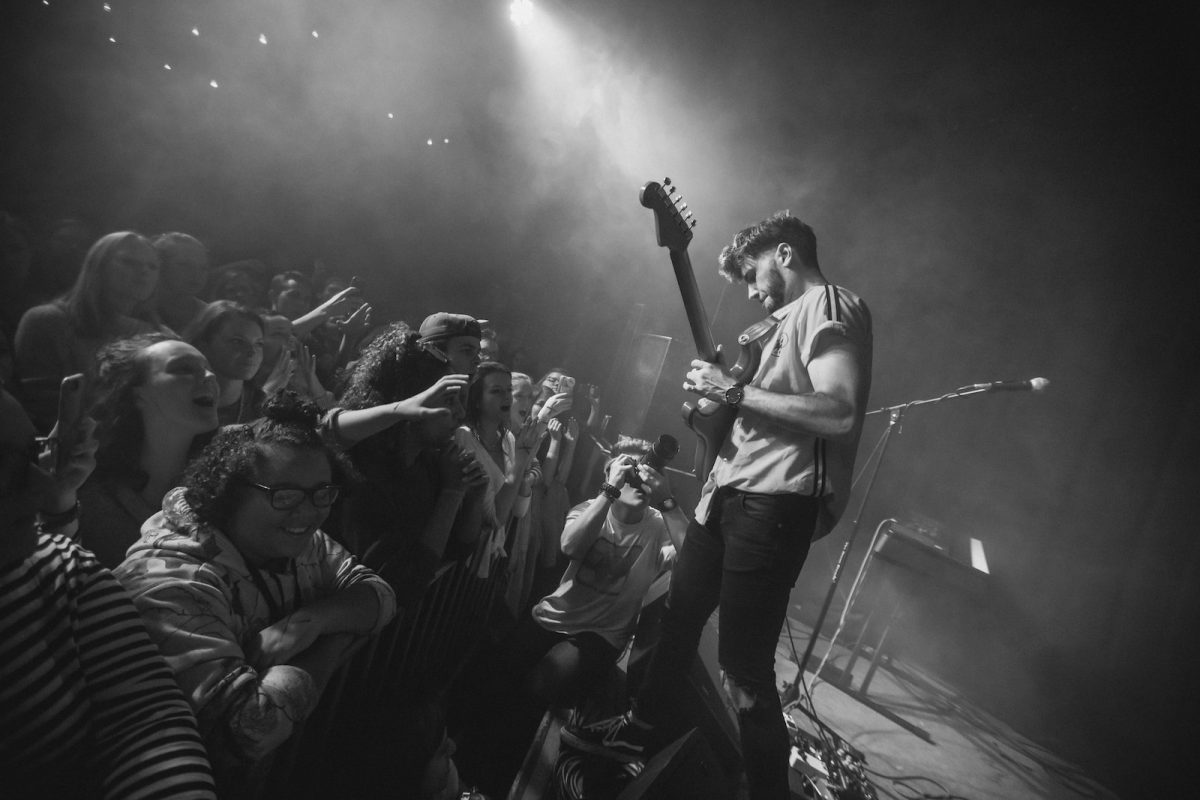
point(521, 12)
point(262, 38)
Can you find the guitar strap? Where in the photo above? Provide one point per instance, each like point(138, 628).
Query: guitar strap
point(758, 331)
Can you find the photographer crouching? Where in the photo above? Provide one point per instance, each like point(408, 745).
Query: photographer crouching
point(618, 543)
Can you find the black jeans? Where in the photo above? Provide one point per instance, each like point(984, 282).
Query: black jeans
point(744, 561)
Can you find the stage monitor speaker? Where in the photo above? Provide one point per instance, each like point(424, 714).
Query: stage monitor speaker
point(685, 770)
point(705, 703)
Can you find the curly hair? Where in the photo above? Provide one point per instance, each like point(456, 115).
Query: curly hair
point(392, 367)
point(756, 239)
point(120, 370)
point(475, 390)
point(213, 481)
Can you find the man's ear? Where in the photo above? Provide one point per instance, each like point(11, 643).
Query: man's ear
point(785, 255)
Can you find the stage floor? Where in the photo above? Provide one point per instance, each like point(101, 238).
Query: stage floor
point(919, 737)
point(911, 734)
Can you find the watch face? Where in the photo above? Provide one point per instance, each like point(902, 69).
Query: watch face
point(734, 395)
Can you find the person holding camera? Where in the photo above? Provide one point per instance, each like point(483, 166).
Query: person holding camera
point(618, 543)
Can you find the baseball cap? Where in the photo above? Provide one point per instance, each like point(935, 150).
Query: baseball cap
point(443, 325)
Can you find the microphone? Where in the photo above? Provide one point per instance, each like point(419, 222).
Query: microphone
point(1031, 385)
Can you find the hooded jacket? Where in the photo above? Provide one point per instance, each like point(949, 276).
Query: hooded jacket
point(204, 606)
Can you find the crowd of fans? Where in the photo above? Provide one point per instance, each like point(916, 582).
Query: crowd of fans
point(251, 479)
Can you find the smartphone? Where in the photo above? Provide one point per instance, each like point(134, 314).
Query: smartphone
point(70, 409)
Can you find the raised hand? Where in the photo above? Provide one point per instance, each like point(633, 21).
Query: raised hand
point(557, 404)
point(340, 302)
point(618, 470)
point(76, 468)
point(655, 484)
point(357, 322)
point(436, 401)
point(528, 436)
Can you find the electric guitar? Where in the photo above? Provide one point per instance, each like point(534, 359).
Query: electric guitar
point(708, 419)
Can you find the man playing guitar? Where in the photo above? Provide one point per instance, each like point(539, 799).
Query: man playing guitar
point(780, 480)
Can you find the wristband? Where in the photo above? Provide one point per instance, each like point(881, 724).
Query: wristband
point(610, 491)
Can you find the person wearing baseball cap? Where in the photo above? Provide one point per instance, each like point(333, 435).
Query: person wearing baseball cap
point(454, 340)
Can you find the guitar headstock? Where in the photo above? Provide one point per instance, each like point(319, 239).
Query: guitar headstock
point(673, 222)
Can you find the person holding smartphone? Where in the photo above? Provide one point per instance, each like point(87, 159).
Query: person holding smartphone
point(90, 708)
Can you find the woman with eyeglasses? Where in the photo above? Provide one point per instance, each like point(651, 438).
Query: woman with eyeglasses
point(252, 605)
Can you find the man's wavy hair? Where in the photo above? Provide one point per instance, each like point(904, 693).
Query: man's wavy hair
point(120, 370)
point(394, 366)
point(756, 239)
point(215, 480)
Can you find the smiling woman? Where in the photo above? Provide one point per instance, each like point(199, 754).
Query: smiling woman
point(253, 606)
point(154, 399)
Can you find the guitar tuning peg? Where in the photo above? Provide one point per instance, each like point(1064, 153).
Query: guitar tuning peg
point(666, 181)
point(683, 206)
point(695, 222)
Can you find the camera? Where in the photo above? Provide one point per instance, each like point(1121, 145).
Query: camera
point(661, 453)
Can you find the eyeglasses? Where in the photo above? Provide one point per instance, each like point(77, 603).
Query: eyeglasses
point(286, 497)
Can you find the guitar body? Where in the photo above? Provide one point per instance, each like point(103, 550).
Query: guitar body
point(711, 421)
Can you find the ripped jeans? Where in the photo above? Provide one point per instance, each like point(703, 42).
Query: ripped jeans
point(744, 561)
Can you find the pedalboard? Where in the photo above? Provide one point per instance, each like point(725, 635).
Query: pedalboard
point(826, 769)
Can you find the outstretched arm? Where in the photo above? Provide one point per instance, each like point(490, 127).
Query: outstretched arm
point(352, 426)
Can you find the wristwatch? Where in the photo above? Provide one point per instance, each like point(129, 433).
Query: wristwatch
point(669, 504)
point(734, 395)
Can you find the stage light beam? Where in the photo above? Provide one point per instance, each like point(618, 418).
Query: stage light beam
point(521, 12)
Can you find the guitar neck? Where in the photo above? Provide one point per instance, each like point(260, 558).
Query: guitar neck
point(694, 305)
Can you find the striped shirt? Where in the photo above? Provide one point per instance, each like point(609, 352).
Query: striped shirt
point(88, 707)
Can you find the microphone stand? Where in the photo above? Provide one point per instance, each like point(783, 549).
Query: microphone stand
point(895, 417)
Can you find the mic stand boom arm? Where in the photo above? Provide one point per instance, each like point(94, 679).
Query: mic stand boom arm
point(895, 415)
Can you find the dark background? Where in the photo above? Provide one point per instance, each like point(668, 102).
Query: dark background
point(1012, 187)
